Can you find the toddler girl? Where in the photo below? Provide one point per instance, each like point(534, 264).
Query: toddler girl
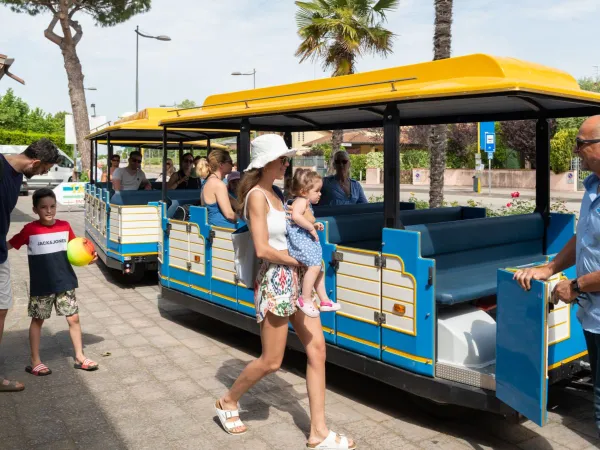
point(303, 241)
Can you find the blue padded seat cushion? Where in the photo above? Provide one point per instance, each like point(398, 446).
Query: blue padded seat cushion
point(440, 238)
point(469, 253)
point(363, 230)
point(360, 208)
point(355, 228)
point(135, 197)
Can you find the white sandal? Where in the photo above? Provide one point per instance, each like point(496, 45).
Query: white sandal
point(308, 307)
point(330, 443)
point(224, 415)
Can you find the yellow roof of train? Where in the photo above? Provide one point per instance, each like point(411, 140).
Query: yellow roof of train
point(452, 89)
point(145, 126)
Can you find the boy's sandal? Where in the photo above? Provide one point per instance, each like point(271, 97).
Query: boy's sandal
point(224, 415)
point(10, 386)
point(39, 371)
point(329, 306)
point(87, 365)
point(331, 443)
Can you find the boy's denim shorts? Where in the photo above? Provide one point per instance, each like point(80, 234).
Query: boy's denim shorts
point(65, 303)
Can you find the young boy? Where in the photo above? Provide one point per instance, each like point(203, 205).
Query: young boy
point(52, 281)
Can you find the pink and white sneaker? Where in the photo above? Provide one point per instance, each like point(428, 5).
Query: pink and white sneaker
point(329, 306)
point(307, 308)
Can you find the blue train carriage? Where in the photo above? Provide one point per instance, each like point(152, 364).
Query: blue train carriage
point(126, 226)
point(428, 300)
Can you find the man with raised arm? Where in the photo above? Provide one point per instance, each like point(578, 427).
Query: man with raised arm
point(583, 251)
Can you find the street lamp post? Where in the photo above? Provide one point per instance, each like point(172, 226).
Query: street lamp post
point(137, 51)
point(93, 105)
point(253, 73)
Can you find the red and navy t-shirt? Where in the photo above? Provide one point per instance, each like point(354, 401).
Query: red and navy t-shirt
point(49, 269)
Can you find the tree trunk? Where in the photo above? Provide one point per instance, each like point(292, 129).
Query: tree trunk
point(442, 39)
point(336, 141)
point(437, 164)
point(78, 104)
point(68, 43)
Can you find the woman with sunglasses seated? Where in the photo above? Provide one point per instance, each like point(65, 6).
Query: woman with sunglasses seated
point(339, 188)
point(170, 171)
point(183, 179)
point(114, 165)
point(214, 195)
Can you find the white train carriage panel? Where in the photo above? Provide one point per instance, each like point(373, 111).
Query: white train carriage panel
point(398, 297)
point(223, 265)
point(179, 245)
point(197, 250)
point(358, 284)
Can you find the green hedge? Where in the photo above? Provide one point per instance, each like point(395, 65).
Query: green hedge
point(561, 149)
point(26, 138)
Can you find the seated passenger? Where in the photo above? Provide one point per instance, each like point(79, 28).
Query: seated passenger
point(185, 178)
point(214, 192)
point(131, 178)
point(202, 170)
point(114, 165)
point(339, 188)
point(170, 170)
point(233, 181)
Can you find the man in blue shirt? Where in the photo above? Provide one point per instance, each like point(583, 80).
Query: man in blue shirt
point(37, 159)
point(583, 251)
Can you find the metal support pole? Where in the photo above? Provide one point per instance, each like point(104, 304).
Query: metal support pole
point(391, 167)
point(243, 150)
point(489, 175)
point(109, 157)
point(164, 166)
point(208, 147)
point(180, 154)
point(542, 171)
point(289, 172)
point(137, 60)
point(93, 159)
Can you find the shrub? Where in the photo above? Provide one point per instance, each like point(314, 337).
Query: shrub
point(561, 149)
point(27, 137)
point(414, 159)
point(374, 160)
point(358, 164)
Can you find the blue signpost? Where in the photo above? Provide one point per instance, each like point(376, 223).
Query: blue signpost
point(487, 143)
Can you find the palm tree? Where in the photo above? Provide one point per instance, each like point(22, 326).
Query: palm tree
point(442, 39)
point(338, 31)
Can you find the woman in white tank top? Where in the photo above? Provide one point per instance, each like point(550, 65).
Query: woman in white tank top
point(275, 292)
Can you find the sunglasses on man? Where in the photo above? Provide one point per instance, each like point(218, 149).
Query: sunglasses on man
point(581, 142)
point(137, 161)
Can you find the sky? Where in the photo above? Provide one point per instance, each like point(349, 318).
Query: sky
point(211, 39)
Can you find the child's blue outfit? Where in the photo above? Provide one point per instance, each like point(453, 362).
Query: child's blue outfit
point(302, 246)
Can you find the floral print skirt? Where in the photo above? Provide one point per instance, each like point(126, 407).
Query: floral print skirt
point(276, 290)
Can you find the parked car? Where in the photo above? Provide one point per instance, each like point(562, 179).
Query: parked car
point(24, 188)
point(61, 172)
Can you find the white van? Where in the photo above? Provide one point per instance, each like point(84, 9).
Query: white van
point(61, 172)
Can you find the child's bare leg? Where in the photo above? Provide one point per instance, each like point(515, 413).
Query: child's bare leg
point(320, 286)
point(309, 281)
point(75, 332)
point(35, 333)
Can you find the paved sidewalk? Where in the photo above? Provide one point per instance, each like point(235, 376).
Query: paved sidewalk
point(167, 366)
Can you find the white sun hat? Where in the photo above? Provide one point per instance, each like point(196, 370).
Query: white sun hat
point(267, 148)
